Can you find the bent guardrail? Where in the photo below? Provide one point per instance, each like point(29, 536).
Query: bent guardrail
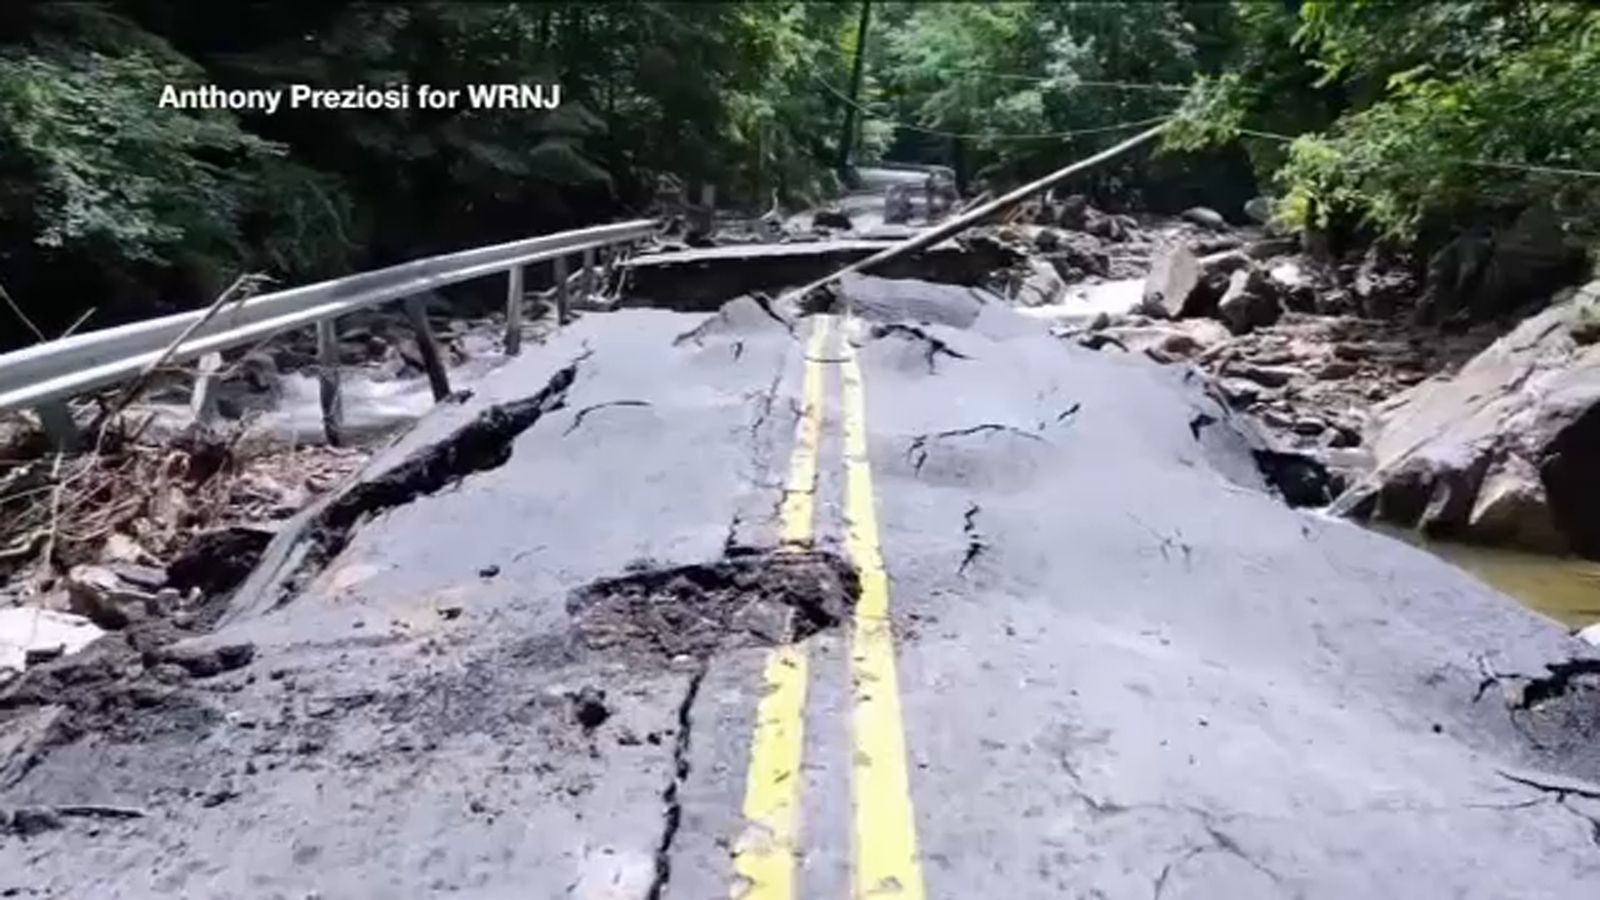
point(45, 375)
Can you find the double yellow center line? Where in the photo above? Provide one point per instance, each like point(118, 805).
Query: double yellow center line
point(885, 839)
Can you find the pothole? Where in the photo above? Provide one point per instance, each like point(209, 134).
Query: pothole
point(759, 599)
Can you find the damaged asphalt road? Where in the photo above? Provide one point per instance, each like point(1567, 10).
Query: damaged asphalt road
point(522, 655)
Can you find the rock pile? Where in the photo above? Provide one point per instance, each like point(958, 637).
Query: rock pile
point(1339, 362)
point(1508, 450)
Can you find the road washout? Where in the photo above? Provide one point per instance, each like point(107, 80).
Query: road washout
point(462, 669)
point(342, 671)
point(1206, 692)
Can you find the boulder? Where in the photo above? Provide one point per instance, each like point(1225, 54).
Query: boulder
point(1258, 210)
point(1112, 228)
point(1073, 211)
point(1293, 283)
point(1483, 274)
point(1205, 217)
point(1174, 273)
point(1078, 255)
point(1214, 273)
point(1503, 452)
point(104, 598)
point(1250, 302)
point(1040, 285)
point(1381, 287)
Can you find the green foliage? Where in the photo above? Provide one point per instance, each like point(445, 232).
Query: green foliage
point(102, 163)
point(1522, 95)
point(1420, 118)
point(1387, 111)
point(1007, 81)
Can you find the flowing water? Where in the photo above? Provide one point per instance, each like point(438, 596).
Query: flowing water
point(1566, 589)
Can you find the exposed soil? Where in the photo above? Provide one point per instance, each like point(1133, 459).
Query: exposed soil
point(696, 610)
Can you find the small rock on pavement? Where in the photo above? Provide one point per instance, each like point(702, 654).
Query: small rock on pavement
point(589, 707)
point(206, 661)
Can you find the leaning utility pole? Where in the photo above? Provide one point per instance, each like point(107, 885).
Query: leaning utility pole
point(928, 237)
point(847, 138)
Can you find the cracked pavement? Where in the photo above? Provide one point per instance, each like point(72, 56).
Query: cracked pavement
point(1126, 669)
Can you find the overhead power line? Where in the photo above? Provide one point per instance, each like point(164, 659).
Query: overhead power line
point(1167, 87)
point(1047, 135)
point(1484, 163)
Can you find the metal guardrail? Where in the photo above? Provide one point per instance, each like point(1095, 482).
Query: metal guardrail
point(45, 375)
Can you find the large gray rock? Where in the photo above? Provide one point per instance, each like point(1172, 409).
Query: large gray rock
point(1481, 274)
point(1250, 302)
point(1507, 451)
point(1205, 217)
point(1041, 285)
point(1174, 274)
point(103, 597)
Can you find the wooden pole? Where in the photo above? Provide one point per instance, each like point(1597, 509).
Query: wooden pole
point(960, 223)
point(847, 135)
point(438, 378)
point(586, 285)
point(328, 382)
point(203, 401)
point(59, 428)
point(563, 292)
point(514, 312)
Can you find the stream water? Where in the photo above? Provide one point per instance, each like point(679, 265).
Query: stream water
point(1566, 589)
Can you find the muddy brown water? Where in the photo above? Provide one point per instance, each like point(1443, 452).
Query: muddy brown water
point(1564, 588)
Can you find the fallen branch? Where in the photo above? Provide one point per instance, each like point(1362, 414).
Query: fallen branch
point(17, 310)
point(241, 289)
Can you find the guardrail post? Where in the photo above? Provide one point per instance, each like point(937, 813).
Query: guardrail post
point(203, 400)
point(563, 294)
point(328, 382)
point(586, 284)
point(438, 378)
point(514, 312)
point(58, 426)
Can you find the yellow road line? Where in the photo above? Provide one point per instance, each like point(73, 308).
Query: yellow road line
point(800, 491)
point(764, 857)
point(885, 826)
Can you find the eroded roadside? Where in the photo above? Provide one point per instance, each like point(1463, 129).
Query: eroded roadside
point(474, 668)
